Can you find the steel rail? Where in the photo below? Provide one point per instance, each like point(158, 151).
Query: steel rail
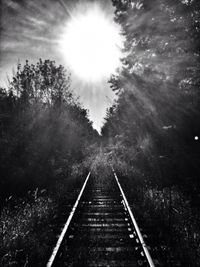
point(144, 246)
point(58, 244)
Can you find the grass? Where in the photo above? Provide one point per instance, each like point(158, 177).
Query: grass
point(29, 225)
point(168, 209)
point(177, 223)
point(23, 226)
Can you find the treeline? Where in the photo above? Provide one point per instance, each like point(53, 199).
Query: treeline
point(44, 131)
point(156, 116)
point(45, 142)
point(152, 131)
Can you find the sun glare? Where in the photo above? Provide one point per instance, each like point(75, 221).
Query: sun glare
point(90, 45)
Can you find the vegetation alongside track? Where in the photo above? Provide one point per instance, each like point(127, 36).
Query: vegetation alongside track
point(45, 136)
point(152, 131)
point(150, 136)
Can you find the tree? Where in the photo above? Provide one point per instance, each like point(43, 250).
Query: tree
point(150, 131)
point(46, 132)
point(158, 95)
point(44, 82)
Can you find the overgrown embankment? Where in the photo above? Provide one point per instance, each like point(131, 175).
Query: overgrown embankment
point(45, 142)
point(152, 131)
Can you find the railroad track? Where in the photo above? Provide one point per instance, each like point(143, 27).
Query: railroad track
point(101, 229)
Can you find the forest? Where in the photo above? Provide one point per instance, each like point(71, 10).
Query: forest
point(150, 136)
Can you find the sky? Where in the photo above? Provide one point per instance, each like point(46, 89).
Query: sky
point(31, 30)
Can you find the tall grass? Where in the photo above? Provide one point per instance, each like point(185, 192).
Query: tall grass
point(28, 225)
point(23, 227)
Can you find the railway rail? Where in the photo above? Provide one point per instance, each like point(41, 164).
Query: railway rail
point(101, 229)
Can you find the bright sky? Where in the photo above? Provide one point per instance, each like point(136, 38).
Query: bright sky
point(61, 30)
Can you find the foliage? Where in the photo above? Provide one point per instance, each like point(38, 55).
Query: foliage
point(23, 228)
point(150, 130)
point(44, 129)
point(155, 119)
point(43, 82)
point(172, 215)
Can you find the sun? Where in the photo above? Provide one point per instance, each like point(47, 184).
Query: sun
point(90, 44)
